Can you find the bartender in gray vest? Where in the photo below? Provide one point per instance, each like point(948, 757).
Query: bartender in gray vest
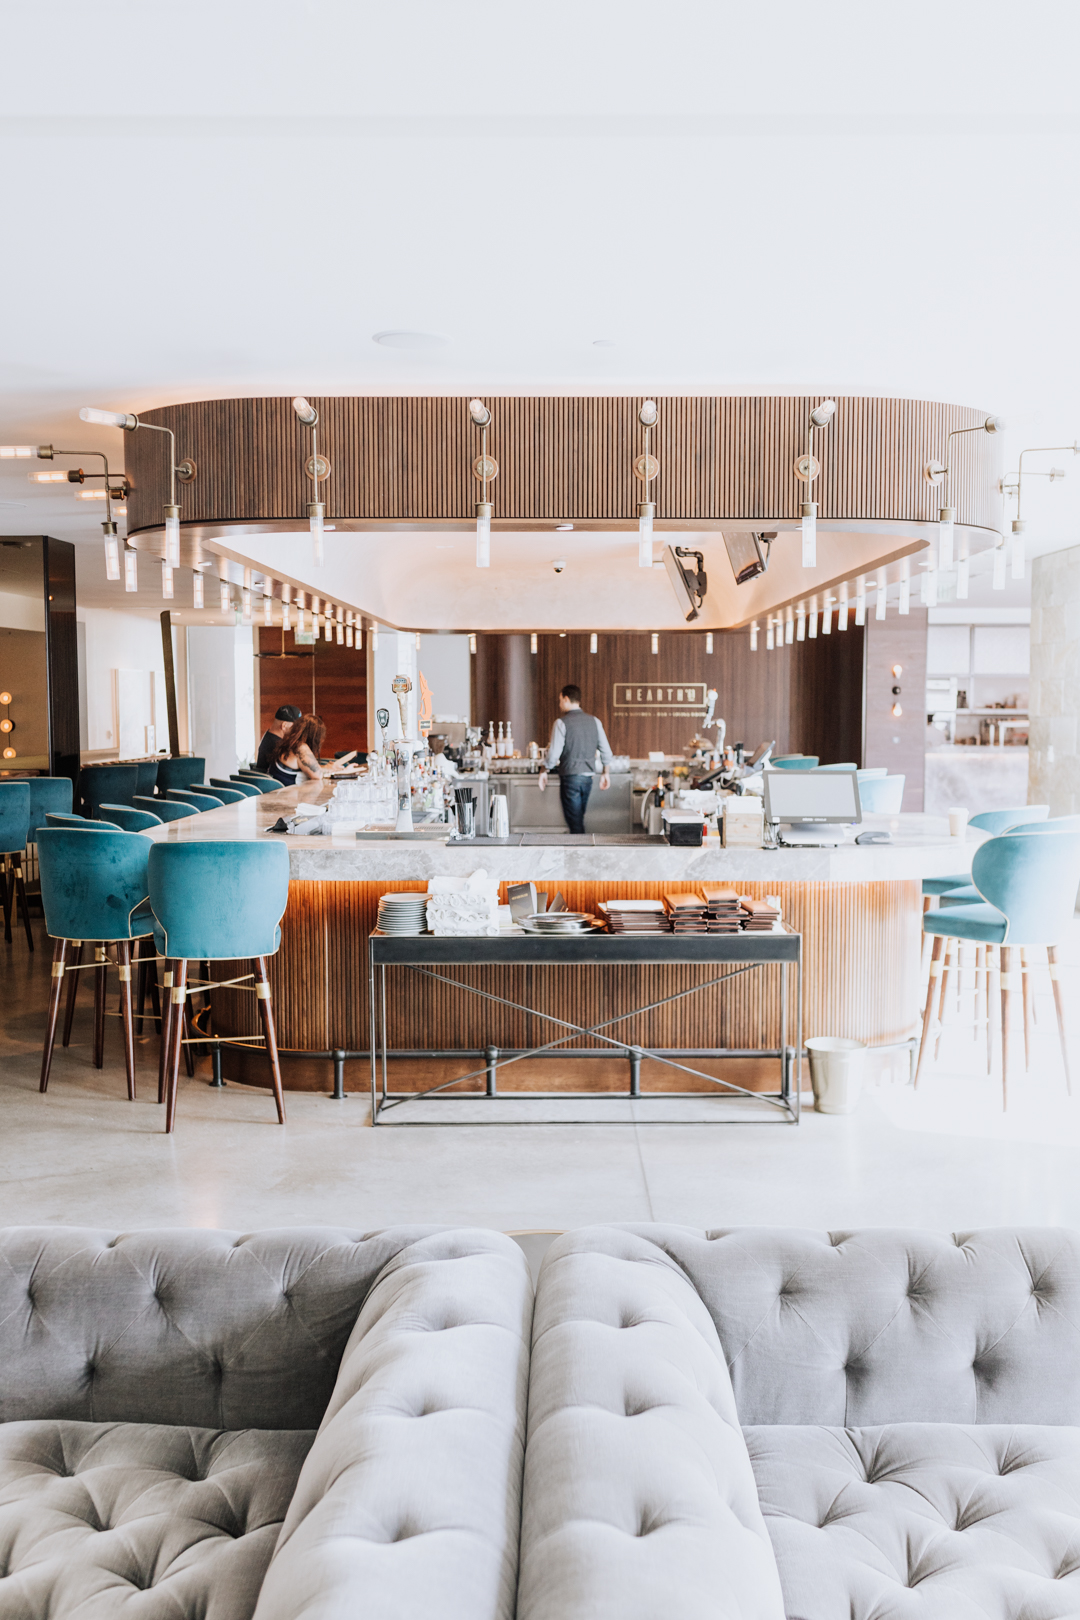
point(576, 739)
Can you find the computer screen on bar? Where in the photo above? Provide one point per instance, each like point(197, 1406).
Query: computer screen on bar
point(814, 796)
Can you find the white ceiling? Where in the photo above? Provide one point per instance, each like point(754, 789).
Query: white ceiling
point(231, 198)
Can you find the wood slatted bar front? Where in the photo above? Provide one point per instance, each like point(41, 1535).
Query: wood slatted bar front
point(860, 953)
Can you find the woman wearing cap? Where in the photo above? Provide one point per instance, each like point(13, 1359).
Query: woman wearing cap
point(285, 717)
point(298, 752)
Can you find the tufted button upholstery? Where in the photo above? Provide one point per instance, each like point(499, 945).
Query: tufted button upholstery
point(182, 1326)
point(639, 1498)
point(411, 1494)
point(159, 1522)
point(923, 1520)
point(881, 1326)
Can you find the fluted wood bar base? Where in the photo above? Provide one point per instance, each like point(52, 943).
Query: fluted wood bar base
point(861, 960)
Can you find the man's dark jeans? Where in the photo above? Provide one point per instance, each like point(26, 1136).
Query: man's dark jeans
point(574, 796)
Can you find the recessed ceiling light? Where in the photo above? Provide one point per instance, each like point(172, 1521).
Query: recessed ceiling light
point(563, 528)
point(408, 340)
point(603, 343)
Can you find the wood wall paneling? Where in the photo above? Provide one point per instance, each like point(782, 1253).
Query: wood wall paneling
point(409, 459)
point(320, 678)
point(860, 944)
point(808, 697)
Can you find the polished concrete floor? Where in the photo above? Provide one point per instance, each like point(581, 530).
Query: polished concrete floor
point(945, 1156)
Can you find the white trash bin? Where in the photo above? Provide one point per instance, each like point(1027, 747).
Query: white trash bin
point(836, 1073)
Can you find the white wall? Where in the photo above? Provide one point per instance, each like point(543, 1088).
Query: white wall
point(221, 696)
point(444, 661)
point(395, 655)
point(117, 641)
point(1055, 682)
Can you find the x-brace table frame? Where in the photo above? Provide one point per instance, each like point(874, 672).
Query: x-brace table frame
point(737, 954)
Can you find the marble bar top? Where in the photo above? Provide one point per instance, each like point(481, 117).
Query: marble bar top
point(921, 847)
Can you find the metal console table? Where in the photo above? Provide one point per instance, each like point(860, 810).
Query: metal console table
point(734, 954)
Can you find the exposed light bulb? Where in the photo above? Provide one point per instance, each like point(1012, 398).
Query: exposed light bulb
point(826, 616)
point(483, 534)
point(882, 595)
point(300, 621)
point(172, 536)
point(897, 711)
point(708, 641)
point(121, 419)
point(655, 642)
point(809, 534)
point(268, 607)
point(800, 623)
point(789, 628)
point(753, 636)
point(348, 635)
point(55, 478)
point(166, 580)
point(245, 606)
point(375, 641)
point(418, 641)
point(131, 570)
point(224, 596)
point(196, 589)
point(860, 602)
point(1018, 553)
point(358, 636)
point(998, 582)
point(946, 530)
point(533, 643)
point(316, 521)
point(594, 645)
point(112, 551)
point(328, 627)
point(812, 626)
point(646, 512)
point(963, 579)
point(340, 628)
point(770, 641)
point(904, 605)
point(286, 615)
point(17, 452)
point(842, 610)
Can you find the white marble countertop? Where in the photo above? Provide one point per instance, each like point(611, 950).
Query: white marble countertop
point(920, 847)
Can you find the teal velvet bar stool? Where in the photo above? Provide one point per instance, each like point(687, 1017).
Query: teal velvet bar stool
point(991, 821)
point(14, 836)
point(792, 762)
point(1028, 887)
point(166, 809)
point(881, 796)
point(179, 772)
point(94, 889)
point(197, 801)
point(54, 819)
point(117, 783)
point(47, 793)
point(132, 820)
point(217, 790)
point(216, 902)
point(265, 784)
point(146, 777)
point(246, 790)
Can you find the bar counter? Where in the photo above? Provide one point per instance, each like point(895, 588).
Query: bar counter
point(858, 908)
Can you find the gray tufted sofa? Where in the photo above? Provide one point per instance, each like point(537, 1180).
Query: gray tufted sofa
point(750, 1424)
point(308, 1422)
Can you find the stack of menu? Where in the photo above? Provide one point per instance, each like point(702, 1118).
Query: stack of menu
point(722, 909)
point(760, 915)
point(688, 913)
point(636, 916)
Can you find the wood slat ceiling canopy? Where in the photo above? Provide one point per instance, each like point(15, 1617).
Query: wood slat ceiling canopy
point(408, 461)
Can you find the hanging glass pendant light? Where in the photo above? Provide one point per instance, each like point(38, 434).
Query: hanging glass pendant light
point(807, 468)
point(166, 580)
point(197, 597)
point(946, 531)
point(131, 569)
point(317, 469)
point(904, 605)
point(485, 468)
point(646, 468)
point(112, 551)
point(753, 635)
point(998, 581)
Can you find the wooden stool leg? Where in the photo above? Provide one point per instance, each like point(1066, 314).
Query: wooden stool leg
point(20, 888)
point(949, 959)
point(100, 976)
point(123, 951)
point(177, 996)
point(928, 1010)
point(1025, 978)
point(55, 992)
point(189, 1052)
point(166, 1028)
point(5, 884)
point(1059, 1007)
point(1008, 985)
point(73, 990)
point(980, 991)
point(143, 967)
point(266, 1012)
point(993, 1006)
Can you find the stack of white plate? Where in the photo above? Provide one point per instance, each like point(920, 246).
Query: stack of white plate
point(402, 914)
point(558, 922)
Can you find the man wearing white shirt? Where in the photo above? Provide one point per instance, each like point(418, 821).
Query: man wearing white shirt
point(576, 739)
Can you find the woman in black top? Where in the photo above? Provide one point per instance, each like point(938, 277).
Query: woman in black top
point(297, 758)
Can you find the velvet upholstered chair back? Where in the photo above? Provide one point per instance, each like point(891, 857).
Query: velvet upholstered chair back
point(199, 1327)
point(872, 1326)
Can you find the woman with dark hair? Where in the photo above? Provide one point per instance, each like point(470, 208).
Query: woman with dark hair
point(297, 758)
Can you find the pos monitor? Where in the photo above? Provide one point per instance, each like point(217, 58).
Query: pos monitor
point(810, 802)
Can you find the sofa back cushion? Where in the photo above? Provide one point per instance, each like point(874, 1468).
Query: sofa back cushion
point(885, 1326)
point(217, 1329)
